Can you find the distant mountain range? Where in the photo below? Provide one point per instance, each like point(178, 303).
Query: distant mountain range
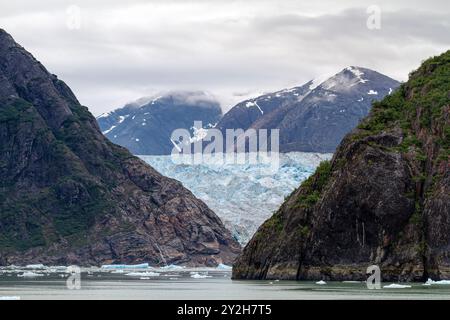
point(316, 116)
point(145, 126)
point(313, 117)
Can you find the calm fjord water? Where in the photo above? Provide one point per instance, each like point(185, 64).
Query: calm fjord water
point(198, 284)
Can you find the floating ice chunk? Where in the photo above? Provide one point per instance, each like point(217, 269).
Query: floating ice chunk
point(35, 266)
point(137, 140)
point(397, 286)
point(321, 282)
point(372, 92)
point(117, 271)
point(222, 266)
point(390, 91)
point(143, 274)
point(5, 298)
point(361, 99)
point(125, 266)
point(440, 282)
point(30, 274)
point(172, 267)
point(144, 278)
point(197, 275)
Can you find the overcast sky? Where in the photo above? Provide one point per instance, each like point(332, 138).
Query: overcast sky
point(119, 51)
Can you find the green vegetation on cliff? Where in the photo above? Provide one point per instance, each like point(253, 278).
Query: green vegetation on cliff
point(383, 199)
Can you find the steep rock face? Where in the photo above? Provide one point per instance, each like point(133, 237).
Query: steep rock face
point(316, 116)
point(68, 195)
point(145, 127)
point(383, 199)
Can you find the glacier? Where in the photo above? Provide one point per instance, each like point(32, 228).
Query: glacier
point(242, 195)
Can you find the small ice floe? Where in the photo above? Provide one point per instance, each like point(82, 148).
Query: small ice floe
point(372, 92)
point(439, 282)
point(397, 286)
point(30, 274)
point(6, 298)
point(197, 275)
point(35, 266)
point(143, 274)
point(125, 266)
point(222, 266)
point(117, 271)
point(144, 278)
point(321, 282)
point(172, 267)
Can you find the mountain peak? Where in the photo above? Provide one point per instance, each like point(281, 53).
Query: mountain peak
point(157, 117)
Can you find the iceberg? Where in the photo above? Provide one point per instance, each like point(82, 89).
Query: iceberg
point(35, 266)
point(125, 266)
point(143, 274)
point(439, 282)
point(172, 267)
point(321, 282)
point(224, 267)
point(6, 298)
point(197, 275)
point(396, 286)
point(29, 274)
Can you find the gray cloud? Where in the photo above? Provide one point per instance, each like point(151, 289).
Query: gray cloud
point(125, 50)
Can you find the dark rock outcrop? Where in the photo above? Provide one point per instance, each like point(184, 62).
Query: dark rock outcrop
point(383, 199)
point(316, 116)
point(145, 128)
point(69, 196)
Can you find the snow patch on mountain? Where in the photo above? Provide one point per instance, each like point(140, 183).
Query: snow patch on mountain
point(250, 104)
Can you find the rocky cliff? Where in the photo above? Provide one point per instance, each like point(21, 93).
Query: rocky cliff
point(383, 199)
point(69, 196)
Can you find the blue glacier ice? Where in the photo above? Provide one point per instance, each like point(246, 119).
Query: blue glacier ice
point(245, 195)
point(125, 266)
